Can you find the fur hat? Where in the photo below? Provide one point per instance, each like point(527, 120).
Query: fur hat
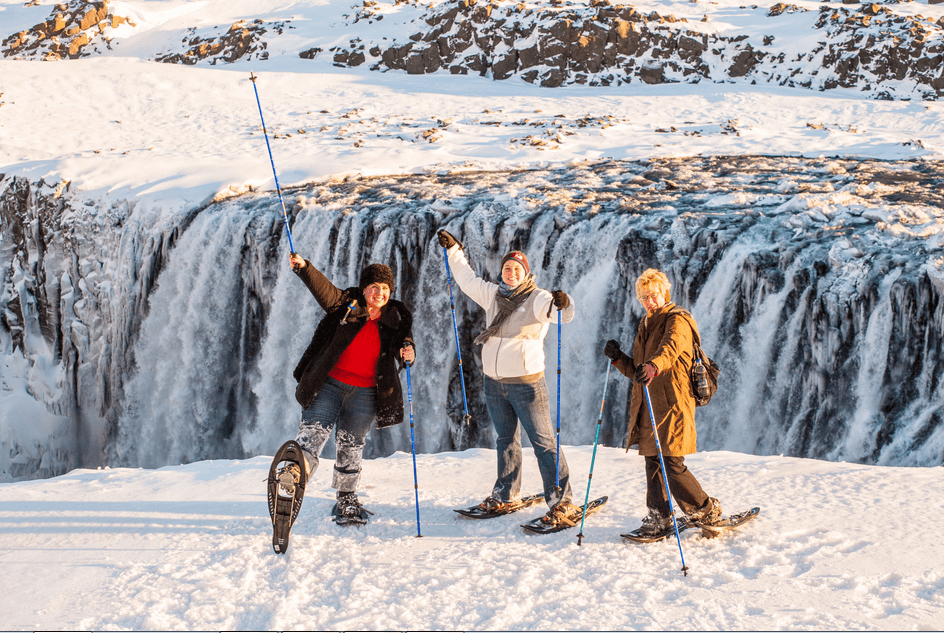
point(376, 274)
point(519, 257)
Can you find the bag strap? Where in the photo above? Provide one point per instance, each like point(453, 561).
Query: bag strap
point(696, 338)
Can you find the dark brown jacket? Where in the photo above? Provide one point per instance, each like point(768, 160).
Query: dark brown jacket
point(331, 338)
point(664, 339)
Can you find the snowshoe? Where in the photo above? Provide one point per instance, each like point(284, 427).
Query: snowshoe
point(708, 530)
point(644, 534)
point(719, 527)
point(286, 489)
point(550, 523)
point(492, 507)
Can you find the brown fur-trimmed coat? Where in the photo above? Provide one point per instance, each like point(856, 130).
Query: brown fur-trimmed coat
point(665, 339)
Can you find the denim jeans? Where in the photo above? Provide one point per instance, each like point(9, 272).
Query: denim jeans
point(352, 410)
point(508, 404)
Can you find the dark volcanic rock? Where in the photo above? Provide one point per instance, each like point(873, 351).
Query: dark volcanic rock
point(868, 47)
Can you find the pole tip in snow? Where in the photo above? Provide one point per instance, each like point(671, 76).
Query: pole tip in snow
point(684, 571)
point(579, 538)
point(468, 419)
point(252, 77)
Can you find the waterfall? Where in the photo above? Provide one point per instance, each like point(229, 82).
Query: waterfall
point(819, 296)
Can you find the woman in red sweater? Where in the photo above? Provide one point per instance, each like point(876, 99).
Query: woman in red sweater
point(348, 376)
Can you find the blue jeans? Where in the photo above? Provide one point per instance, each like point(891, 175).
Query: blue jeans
point(508, 404)
point(352, 410)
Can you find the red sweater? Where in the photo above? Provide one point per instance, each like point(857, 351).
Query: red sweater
point(358, 364)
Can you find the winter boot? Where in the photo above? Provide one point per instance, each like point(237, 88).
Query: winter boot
point(348, 505)
point(349, 511)
point(655, 523)
point(708, 514)
point(491, 504)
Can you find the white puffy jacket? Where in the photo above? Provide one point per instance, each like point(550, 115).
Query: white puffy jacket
point(518, 348)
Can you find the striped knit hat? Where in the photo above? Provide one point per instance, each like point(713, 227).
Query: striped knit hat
point(519, 257)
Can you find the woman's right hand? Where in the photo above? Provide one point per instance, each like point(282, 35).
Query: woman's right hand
point(446, 240)
point(611, 350)
point(297, 261)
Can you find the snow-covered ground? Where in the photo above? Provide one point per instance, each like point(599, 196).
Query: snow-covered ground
point(837, 546)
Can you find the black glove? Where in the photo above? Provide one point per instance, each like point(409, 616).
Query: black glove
point(641, 374)
point(446, 240)
point(559, 300)
point(611, 350)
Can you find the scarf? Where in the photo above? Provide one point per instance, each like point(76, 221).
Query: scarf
point(508, 300)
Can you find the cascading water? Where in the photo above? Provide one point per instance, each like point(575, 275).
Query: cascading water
point(816, 286)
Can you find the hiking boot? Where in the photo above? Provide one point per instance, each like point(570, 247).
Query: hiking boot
point(655, 523)
point(288, 475)
point(708, 514)
point(491, 504)
point(349, 506)
point(563, 513)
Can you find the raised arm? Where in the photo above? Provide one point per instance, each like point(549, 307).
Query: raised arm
point(480, 291)
point(325, 293)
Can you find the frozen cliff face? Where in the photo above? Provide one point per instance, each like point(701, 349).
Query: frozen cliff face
point(77, 274)
point(156, 336)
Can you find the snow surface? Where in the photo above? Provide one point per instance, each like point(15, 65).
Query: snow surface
point(836, 546)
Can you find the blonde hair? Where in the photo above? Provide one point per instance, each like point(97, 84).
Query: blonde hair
point(654, 279)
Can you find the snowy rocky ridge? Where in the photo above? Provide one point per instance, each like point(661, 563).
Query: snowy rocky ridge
point(876, 48)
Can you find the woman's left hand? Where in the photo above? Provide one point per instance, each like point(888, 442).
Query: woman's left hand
point(646, 372)
point(407, 354)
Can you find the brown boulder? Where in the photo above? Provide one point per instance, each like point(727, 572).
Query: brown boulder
point(75, 46)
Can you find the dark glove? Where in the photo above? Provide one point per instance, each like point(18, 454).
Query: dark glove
point(641, 374)
point(446, 240)
point(611, 350)
point(560, 301)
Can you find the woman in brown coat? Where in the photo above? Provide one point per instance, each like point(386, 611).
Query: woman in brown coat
point(662, 359)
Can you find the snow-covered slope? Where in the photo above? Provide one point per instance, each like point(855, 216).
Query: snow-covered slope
point(836, 547)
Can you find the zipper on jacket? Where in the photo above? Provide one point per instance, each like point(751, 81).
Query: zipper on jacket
point(350, 307)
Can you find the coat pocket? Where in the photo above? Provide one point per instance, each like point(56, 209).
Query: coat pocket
point(670, 396)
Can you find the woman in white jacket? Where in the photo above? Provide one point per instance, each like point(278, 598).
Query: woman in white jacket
point(517, 313)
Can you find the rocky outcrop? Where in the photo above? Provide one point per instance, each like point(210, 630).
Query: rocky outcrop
point(871, 47)
point(241, 41)
point(74, 29)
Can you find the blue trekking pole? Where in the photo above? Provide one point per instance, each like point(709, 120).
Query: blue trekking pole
point(455, 330)
point(594, 457)
point(557, 480)
point(416, 486)
point(665, 478)
point(278, 189)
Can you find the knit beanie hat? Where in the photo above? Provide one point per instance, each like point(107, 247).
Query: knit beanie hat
point(519, 257)
point(376, 274)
